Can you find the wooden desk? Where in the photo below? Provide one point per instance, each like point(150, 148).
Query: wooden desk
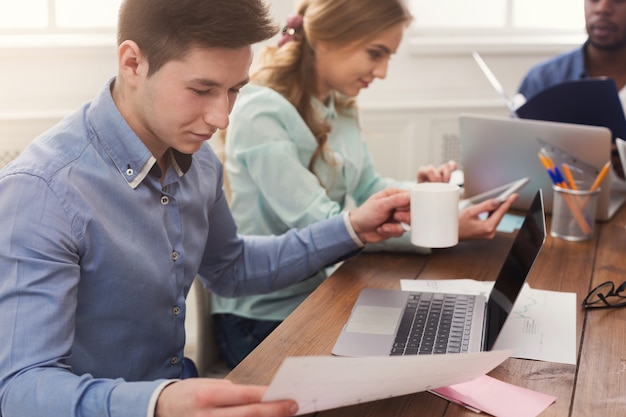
point(594, 387)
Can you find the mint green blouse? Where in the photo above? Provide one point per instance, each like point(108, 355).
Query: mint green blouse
point(268, 149)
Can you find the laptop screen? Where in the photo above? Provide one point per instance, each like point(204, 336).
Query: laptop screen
point(515, 270)
point(498, 150)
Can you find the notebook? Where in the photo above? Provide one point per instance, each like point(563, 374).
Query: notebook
point(495, 150)
point(379, 316)
point(588, 101)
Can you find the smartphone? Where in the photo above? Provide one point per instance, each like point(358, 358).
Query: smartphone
point(500, 193)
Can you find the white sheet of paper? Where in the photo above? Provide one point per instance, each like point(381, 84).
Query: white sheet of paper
point(542, 325)
point(319, 383)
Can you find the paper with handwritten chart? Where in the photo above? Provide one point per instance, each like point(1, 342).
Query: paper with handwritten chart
point(542, 325)
point(322, 382)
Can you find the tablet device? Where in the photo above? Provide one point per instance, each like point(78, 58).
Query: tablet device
point(501, 193)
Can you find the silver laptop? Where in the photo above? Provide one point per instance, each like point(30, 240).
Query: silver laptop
point(495, 150)
point(393, 322)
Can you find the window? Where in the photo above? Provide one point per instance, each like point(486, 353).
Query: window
point(499, 14)
point(58, 16)
point(501, 26)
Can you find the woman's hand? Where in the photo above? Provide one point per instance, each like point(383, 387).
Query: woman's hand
point(436, 174)
point(471, 226)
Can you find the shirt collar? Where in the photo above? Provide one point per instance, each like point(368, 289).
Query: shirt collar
point(129, 154)
point(327, 111)
point(181, 163)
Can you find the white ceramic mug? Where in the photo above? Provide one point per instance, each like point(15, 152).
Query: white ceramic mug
point(434, 214)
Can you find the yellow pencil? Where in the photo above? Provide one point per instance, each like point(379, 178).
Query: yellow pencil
point(578, 214)
point(571, 203)
point(601, 176)
point(548, 164)
point(543, 160)
point(596, 183)
point(568, 175)
point(546, 160)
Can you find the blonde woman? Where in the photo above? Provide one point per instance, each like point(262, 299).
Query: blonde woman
point(295, 153)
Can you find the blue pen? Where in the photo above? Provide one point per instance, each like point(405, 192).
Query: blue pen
point(552, 176)
point(558, 178)
point(548, 166)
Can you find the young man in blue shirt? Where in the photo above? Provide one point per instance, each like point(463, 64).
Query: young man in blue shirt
point(107, 218)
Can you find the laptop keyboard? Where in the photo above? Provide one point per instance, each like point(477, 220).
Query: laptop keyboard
point(434, 323)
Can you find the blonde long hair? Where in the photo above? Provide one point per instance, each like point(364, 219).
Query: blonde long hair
point(290, 68)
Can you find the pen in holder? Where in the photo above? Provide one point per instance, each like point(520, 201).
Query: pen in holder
point(574, 204)
point(574, 212)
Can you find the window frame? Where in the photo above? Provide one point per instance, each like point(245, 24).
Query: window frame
point(501, 41)
point(52, 27)
point(420, 41)
point(505, 39)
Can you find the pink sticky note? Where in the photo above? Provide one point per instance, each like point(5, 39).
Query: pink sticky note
point(498, 398)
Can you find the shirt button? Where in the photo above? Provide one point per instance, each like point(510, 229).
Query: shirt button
point(130, 172)
point(176, 310)
point(174, 360)
point(174, 256)
point(165, 200)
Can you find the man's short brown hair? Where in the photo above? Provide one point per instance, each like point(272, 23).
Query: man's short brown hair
point(166, 30)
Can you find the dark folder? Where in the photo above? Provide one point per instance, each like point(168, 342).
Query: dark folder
point(589, 101)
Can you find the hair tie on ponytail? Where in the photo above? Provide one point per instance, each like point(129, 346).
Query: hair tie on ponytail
point(294, 23)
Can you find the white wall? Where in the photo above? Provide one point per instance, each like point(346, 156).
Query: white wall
point(408, 118)
point(44, 78)
point(411, 117)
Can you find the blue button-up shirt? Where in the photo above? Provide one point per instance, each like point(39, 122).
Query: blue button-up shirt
point(569, 66)
point(97, 256)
